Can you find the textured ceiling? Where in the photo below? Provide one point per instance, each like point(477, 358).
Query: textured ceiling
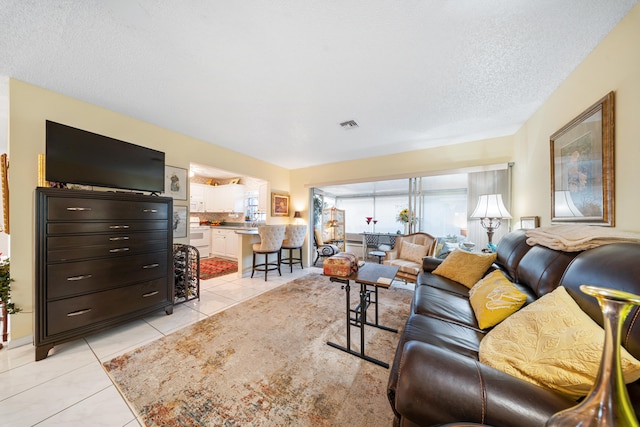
point(273, 79)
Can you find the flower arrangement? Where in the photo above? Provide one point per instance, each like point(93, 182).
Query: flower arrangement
point(403, 216)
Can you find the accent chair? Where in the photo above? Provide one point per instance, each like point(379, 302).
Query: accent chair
point(408, 252)
point(323, 250)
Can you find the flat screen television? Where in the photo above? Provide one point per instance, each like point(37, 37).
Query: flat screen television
point(81, 157)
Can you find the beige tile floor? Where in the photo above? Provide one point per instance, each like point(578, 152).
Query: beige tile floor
point(70, 387)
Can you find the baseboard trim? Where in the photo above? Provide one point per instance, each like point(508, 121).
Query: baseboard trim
point(19, 342)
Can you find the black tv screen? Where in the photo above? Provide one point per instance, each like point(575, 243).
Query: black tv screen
point(81, 157)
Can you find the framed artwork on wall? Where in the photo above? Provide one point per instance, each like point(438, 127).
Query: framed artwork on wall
point(529, 222)
point(175, 182)
point(179, 222)
point(4, 166)
point(279, 204)
point(582, 173)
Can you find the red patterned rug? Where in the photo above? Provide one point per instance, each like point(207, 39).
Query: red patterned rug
point(214, 267)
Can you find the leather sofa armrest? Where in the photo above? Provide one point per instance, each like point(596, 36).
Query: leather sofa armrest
point(439, 386)
point(430, 263)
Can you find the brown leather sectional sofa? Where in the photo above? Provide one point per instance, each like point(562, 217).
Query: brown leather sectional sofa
point(436, 377)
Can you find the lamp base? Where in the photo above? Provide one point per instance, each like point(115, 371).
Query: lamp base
point(490, 224)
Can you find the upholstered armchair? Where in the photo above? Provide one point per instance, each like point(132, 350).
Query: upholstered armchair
point(323, 250)
point(271, 237)
point(408, 253)
point(293, 240)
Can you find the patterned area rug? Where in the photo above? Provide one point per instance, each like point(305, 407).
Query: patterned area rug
point(214, 267)
point(266, 362)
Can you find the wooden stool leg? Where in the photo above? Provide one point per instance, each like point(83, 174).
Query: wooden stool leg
point(266, 266)
point(279, 262)
point(253, 268)
point(290, 260)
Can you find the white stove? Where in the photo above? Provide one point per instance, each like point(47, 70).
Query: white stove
point(199, 236)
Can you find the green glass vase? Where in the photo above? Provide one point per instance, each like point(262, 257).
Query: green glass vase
point(607, 404)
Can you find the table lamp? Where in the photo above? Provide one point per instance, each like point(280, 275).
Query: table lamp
point(490, 210)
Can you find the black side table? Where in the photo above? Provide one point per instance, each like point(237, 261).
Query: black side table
point(378, 254)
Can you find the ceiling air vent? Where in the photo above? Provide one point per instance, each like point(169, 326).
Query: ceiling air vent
point(349, 124)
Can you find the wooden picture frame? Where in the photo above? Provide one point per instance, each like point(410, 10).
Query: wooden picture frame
point(175, 182)
point(529, 222)
point(4, 167)
point(279, 204)
point(179, 222)
point(582, 167)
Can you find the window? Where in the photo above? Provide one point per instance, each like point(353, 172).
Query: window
point(441, 208)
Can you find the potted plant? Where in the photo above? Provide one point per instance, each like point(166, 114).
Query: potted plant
point(5, 288)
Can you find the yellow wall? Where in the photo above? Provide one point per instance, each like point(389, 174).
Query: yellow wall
point(29, 107)
point(403, 165)
point(613, 66)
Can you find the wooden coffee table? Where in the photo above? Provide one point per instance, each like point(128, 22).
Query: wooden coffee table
point(370, 277)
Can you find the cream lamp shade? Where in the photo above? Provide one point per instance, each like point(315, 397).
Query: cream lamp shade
point(490, 206)
point(490, 210)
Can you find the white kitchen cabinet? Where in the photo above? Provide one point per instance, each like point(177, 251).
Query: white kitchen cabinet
point(231, 244)
point(224, 198)
point(196, 197)
point(262, 198)
point(224, 243)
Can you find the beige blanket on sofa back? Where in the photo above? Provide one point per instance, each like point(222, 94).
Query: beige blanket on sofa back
point(577, 237)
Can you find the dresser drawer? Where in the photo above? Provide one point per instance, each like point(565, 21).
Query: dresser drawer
point(75, 278)
point(105, 227)
point(76, 312)
point(71, 208)
point(70, 248)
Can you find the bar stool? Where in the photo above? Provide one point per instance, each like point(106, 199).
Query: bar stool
point(293, 239)
point(271, 237)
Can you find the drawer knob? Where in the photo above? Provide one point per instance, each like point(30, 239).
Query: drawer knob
point(150, 210)
point(150, 294)
point(116, 250)
point(81, 277)
point(151, 266)
point(79, 312)
point(118, 227)
point(115, 239)
point(75, 209)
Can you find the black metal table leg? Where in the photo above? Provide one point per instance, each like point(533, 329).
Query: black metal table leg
point(376, 324)
point(359, 321)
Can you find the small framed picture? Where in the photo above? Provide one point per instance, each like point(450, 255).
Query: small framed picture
point(179, 222)
point(529, 222)
point(279, 204)
point(175, 182)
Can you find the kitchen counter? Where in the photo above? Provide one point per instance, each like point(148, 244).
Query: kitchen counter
point(246, 237)
point(249, 231)
point(233, 227)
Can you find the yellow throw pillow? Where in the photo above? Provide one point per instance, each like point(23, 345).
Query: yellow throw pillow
point(494, 298)
point(413, 252)
point(554, 344)
point(465, 267)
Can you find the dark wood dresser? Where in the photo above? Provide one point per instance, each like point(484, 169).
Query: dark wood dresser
point(102, 258)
